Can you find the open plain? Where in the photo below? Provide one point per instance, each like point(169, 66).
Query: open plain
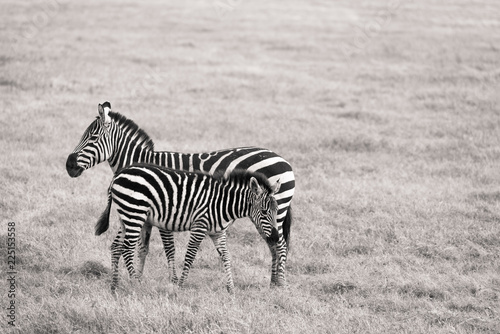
point(387, 110)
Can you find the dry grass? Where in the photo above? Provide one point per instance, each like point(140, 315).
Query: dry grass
point(389, 116)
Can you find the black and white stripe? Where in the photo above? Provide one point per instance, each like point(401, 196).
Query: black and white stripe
point(179, 201)
point(114, 138)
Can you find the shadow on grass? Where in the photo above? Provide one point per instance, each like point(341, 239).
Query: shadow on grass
point(89, 269)
point(433, 252)
point(490, 197)
point(418, 291)
point(338, 288)
point(312, 267)
point(254, 286)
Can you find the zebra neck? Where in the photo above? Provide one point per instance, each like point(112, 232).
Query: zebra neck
point(129, 155)
point(236, 200)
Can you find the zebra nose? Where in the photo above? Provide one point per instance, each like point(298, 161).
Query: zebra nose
point(274, 236)
point(71, 162)
point(72, 166)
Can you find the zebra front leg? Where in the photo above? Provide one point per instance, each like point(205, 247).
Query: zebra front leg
point(281, 254)
point(219, 240)
point(274, 266)
point(167, 237)
point(278, 252)
point(197, 236)
point(116, 253)
point(143, 247)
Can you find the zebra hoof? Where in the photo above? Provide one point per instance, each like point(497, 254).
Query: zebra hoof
point(280, 283)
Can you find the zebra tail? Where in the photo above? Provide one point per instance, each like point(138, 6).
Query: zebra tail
point(103, 222)
point(287, 224)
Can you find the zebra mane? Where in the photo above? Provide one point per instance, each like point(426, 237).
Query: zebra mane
point(130, 127)
point(244, 176)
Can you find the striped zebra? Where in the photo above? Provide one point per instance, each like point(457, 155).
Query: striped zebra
point(179, 201)
point(114, 138)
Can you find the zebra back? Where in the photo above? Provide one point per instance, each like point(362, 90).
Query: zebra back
point(174, 199)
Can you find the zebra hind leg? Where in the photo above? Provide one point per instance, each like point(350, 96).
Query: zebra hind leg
point(143, 248)
point(129, 243)
point(197, 236)
point(116, 253)
point(219, 240)
point(167, 237)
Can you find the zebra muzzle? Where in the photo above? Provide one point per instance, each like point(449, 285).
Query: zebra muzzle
point(274, 236)
point(72, 166)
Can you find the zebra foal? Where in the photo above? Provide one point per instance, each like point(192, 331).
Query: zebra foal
point(177, 201)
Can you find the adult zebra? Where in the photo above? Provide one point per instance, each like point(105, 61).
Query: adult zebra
point(114, 138)
point(175, 200)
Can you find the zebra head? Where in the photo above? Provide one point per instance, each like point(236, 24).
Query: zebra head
point(264, 209)
point(94, 146)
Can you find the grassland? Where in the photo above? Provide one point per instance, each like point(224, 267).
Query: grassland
point(387, 110)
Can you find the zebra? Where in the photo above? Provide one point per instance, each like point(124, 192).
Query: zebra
point(114, 138)
point(177, 201)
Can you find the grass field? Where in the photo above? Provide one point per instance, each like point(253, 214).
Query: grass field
point(387, 110)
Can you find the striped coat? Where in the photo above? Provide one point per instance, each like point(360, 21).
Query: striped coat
point(177, 201)
point(114, 138)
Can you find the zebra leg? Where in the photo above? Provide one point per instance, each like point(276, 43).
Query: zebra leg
point(116, 253)
point(274, 266)
point(273, 249)
point(143, 247)
point(131, 237)
point(197, 236)
point(219, 240)
point(278, 252)
point(281, 253)
point(167, 237)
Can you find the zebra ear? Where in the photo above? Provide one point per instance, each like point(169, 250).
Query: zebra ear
point(104, 110)
point(254, 185)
